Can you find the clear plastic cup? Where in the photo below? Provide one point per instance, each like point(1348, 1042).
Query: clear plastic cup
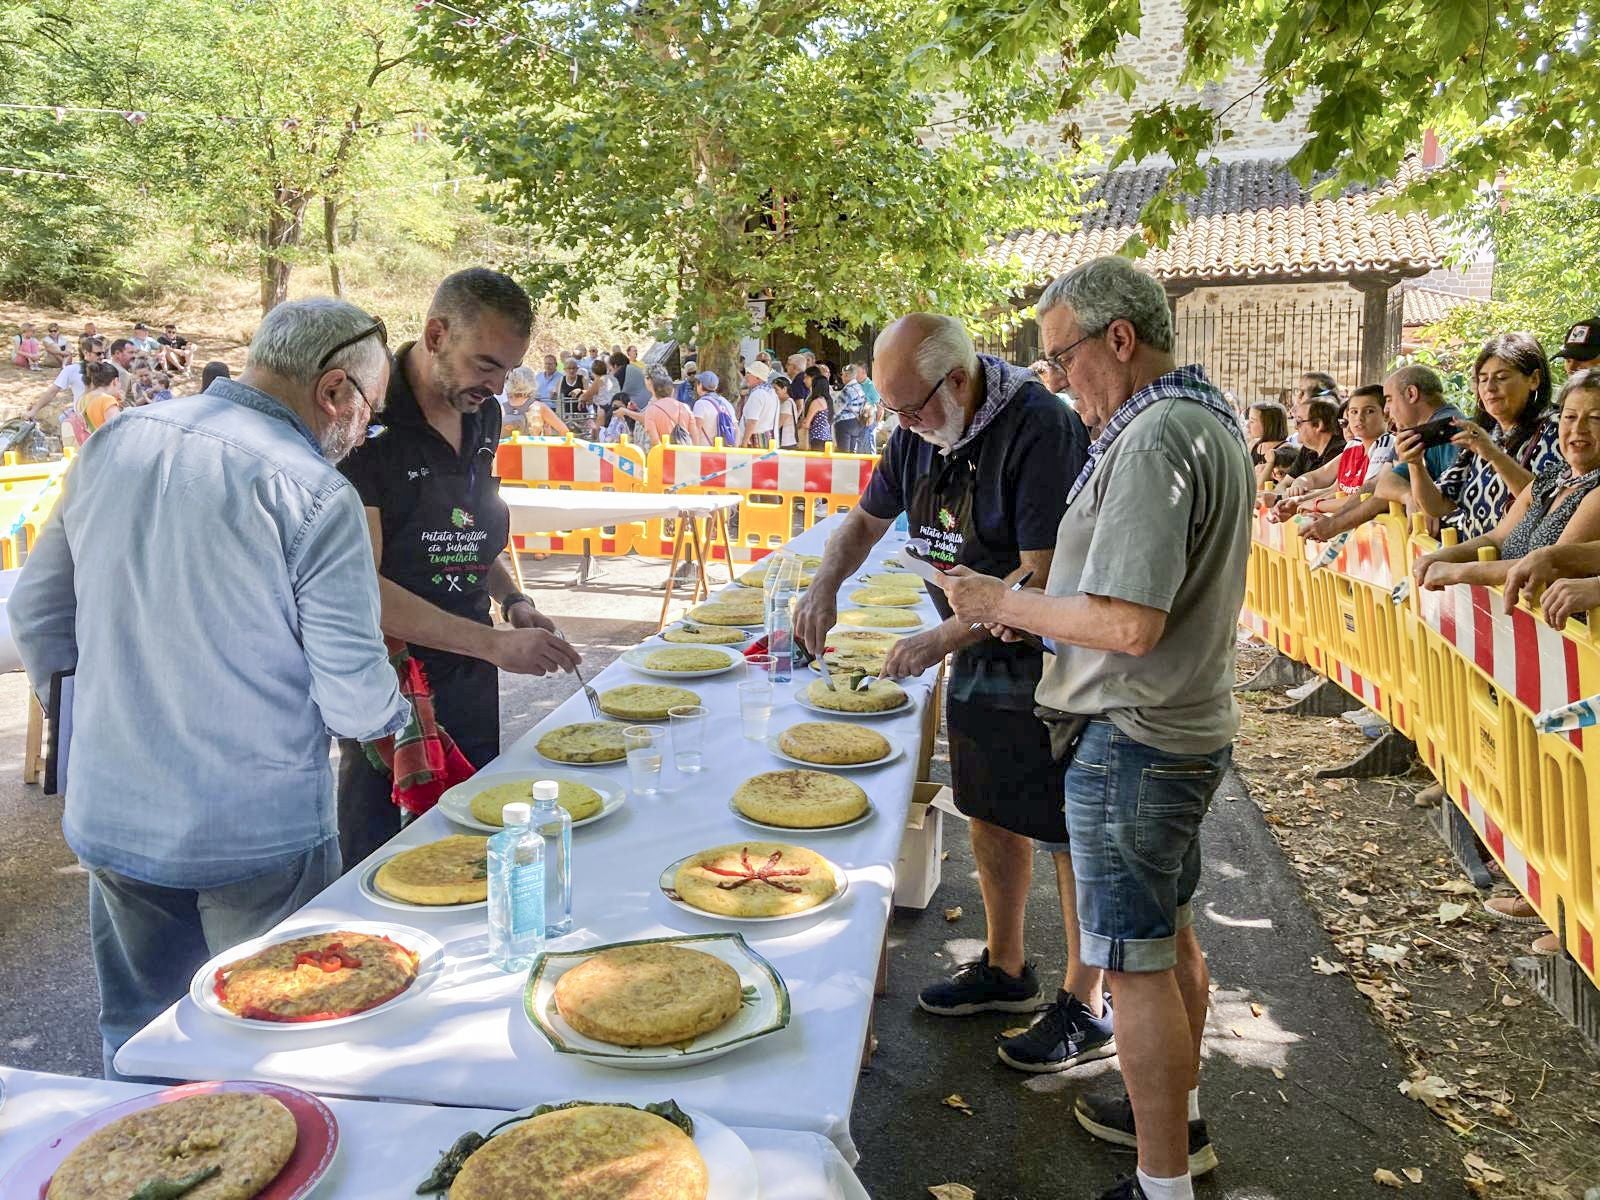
point(643, 743)
point(755, 708)
point(758, 667)
point(688, 737)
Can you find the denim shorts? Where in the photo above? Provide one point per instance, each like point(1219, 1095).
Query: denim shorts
point(1133, 816)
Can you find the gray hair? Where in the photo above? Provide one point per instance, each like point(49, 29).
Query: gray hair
point(1107, 289)
point(1586, 380)
point(293, 338)
point(1424, 379)
point(661, 382)
point(521, 381)
point(949, 346)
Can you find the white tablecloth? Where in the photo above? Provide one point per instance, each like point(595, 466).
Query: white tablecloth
point(549, 510)
point(385, 1150)
point(466, 1041)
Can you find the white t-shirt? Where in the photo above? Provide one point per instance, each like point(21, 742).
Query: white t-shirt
point(71, 376)
point(706, 409)
point(761, 408)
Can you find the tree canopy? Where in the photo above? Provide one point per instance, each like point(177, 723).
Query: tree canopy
point(1505, 85)
point(704, 152)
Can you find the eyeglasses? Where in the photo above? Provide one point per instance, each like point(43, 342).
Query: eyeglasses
point(1059, 359)
point(912, 412)
point(377, 327)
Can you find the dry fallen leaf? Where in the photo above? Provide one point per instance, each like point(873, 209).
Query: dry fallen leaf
point(1511, 1001)
point(953, 914)
point(952, 1191)
point(1387, 1178)
point(1479, 1166)
point(1427, 1088)
point(1371, 848)
point(1449, 911)
point(1277, 1073)
point(1255, 1009)
point(1388, 954)
point(954, 1100)
point(1412, 1173)
point(1323, 967)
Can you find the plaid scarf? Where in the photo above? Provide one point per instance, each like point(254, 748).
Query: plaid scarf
point(1001, 383)
point(1184, 383)
point(422, 759)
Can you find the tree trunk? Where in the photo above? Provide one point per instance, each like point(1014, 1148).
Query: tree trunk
point(330, 229)
point(279, 237)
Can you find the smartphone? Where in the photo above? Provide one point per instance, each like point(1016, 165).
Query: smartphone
point(1435, 433)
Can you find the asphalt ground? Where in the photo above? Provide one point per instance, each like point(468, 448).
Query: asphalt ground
point(1301, 1099)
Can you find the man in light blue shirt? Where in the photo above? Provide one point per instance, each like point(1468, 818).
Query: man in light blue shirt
point(207, 575)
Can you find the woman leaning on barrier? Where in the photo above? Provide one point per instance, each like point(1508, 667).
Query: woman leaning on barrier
point(1560, 506)
point(1511, 438)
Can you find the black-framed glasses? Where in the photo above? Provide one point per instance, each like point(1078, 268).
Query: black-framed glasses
point(377, 327)
point(912, 412)
point(1059, 361)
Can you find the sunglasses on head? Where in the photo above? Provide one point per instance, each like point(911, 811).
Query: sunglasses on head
point(377, 327)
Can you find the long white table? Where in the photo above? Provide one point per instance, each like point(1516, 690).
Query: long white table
point(385, 1150)
point(550, 510)
point(466, 1041)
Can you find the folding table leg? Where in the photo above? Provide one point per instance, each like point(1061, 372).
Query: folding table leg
point(672, 571)
point(727, 546)
point(702, 585)
point(33, 747)
point(516, 566)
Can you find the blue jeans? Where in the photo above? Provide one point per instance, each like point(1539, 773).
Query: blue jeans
point(1133, 820)
point(148, 941)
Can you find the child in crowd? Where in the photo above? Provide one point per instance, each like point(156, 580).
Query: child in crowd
point(162, 389)
point(26, 349)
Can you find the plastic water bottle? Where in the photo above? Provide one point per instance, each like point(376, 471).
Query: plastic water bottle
point(902, 523)
point(554, 824)
point(516, 891)
point(781, 582)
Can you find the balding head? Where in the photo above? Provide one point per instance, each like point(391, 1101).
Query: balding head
point(926, 369)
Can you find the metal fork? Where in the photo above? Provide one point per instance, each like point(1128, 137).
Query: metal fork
point(589, 694)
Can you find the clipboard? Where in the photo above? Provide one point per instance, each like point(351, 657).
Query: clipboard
point(58, 714)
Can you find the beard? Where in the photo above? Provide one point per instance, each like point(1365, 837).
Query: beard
point(338, 440)
point(948, 432)
point(447, 383)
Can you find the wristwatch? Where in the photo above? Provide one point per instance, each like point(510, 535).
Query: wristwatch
point(510, 601)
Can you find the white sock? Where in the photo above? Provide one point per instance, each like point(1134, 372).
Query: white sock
point(1179, 1188)
point(1194, 1103)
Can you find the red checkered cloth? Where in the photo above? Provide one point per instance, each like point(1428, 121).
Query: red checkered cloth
point(422, 759)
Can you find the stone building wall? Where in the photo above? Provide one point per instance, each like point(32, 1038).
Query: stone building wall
point(1157, 54)
point(1256, 339)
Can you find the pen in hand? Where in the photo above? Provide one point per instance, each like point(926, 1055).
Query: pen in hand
point(1015, 587)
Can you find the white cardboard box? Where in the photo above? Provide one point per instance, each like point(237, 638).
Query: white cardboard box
point(917, 871)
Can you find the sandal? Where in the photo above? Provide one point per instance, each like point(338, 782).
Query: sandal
point(1512, 909)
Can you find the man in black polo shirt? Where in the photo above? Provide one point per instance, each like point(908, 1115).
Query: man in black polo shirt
point(980, 465)
point(438, 531)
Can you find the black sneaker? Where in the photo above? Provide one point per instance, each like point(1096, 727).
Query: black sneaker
point(1111, 1120)
point(1063, 1035)
point(977, 987)
point(1125, 1189)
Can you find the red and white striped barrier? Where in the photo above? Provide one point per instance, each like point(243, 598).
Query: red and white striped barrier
point(1524, 656)
point(745, 472)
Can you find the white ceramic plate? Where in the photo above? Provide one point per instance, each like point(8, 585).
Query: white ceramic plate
point(368, 885)
point(729, 1164)
point(765, 1010)
point(745, 637)
point(430, 963)
point(895, 751)
point(669, 876)
point(792, 831)
point(457, 802)
point(635, 659)
point(900, 629)
point(803, 701)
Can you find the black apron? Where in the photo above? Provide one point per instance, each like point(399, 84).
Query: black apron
point(1001, 766)
point(442, 532)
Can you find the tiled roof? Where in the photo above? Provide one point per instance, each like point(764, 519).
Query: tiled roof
point(1252, 222)
point(1426, 305)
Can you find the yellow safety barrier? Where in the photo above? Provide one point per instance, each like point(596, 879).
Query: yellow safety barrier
point(570, 464)
point(782, 492)
point(1464, 679)
point(28, 492)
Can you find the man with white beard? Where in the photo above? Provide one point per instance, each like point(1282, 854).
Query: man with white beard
point(980, 463)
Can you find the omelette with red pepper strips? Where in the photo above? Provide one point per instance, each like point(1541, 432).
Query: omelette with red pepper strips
point(316, 978)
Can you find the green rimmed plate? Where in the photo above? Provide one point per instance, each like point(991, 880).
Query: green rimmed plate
point(765, 1010)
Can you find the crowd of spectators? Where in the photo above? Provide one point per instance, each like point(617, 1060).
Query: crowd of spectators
point(806, 404)
point(100, 377)
point(1518, 477)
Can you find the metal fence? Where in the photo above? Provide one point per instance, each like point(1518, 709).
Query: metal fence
point(1252, 350)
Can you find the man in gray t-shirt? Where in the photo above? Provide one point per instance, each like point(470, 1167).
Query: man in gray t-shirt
point(1144, 592)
